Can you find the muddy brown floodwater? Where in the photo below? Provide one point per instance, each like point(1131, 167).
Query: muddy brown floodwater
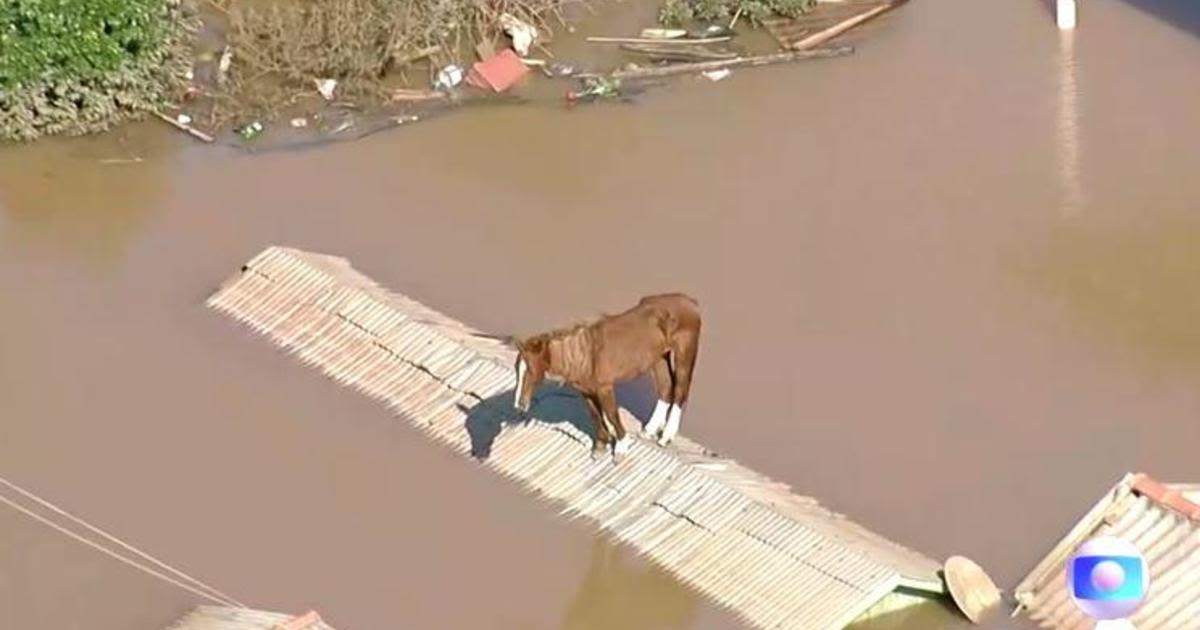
point(949, 283)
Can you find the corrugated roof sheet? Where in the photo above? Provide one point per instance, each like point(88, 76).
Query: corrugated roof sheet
point(1163, 521)
point(224, 618)
point(779, 560)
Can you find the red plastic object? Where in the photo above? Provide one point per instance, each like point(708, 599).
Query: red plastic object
point(498, 72)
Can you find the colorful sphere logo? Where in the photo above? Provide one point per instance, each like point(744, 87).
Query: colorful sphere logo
point(1107, 577)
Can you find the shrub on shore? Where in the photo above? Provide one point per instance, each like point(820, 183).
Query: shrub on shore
point(677, 12)
point(79, 66)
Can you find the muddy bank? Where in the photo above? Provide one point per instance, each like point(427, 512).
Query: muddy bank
point(886, 250)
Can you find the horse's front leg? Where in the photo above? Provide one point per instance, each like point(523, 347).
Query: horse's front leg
point(608, 404)
point(599, 430)
point(664, 387)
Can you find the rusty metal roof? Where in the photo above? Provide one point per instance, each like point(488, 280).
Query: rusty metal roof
point(749, 543)
point(1163, 521)
point(225, 618)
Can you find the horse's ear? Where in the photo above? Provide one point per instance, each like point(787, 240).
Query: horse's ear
point(535, 345)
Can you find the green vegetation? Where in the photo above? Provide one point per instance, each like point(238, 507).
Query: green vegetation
point(678, 12)
point(78, 66)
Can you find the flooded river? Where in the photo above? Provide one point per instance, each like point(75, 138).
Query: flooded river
point(949, 285)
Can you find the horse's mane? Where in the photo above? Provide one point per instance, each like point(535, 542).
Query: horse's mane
point(570, 349)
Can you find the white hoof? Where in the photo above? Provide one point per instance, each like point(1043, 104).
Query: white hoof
point(623, 446)
point(672, 428)
point(657, 419)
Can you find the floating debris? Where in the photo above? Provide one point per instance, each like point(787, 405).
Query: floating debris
point(558, 69)
point(299, 122)
point(595, 88)
point(677, 53)
point(417, 95)
point(183, 119)
point(251, 131)
point(523, 34)
point(448, 77)
point(223, 64)
point(651, 40)
point(711, 31)
point(342, 126)
point(188, 129)
point(663, 33)
point(717, 75)
point(498, 73)
point(326, 87)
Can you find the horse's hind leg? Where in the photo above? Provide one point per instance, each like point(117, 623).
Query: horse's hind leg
point(687, 345)
point(600, 430)
point(664, 386)
point(608, 404)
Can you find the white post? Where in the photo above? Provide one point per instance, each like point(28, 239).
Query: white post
point(1066, 14)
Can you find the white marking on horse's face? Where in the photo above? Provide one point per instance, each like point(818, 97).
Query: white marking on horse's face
point(523, 405)
point(657, 419)
point(672, 428)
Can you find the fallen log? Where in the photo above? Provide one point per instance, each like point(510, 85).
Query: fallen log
point(820, 37)
point(668, 42)
point(418, 95)
point(676, 53)
point(188, 129)
point(737, 62)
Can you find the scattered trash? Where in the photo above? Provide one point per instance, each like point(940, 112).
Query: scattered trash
point(523, 34)
point(407, 118)
point(223, 64)
point(595, 88)
point(183, 119)
point(717, 75)
point(326, 87)
point(186, 128)
point(189, 74)
point(448, 77)
point(499, 72)
point(713, 30)
point(250, 131)
point(299, 122)
point(558, 69)
point(663, 33)
point(534, 63)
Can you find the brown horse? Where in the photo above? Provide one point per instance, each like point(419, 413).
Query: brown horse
point(660, 334)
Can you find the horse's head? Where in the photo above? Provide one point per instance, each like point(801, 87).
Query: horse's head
point(533, 359)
